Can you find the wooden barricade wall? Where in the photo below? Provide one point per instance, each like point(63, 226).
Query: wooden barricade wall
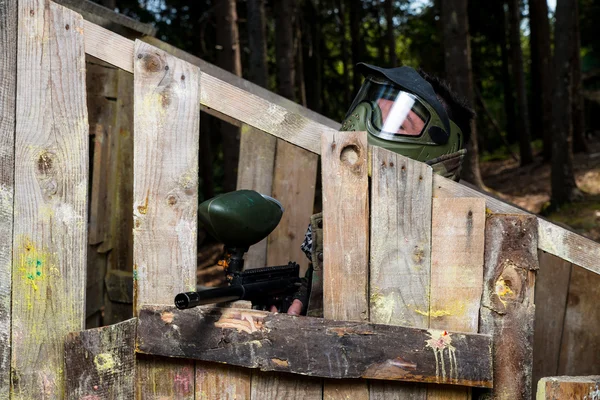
point(413, 261)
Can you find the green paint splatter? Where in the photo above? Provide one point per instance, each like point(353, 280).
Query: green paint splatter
point(135, 275)
point(39, 273)
point(30, 276)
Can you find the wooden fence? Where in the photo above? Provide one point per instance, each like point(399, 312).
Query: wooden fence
point(428, 284)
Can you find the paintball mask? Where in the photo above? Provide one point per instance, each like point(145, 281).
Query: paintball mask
point(401, 112)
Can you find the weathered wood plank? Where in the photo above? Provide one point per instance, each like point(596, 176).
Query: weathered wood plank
point(108, 18)
point(8, 77)
point(321, 347)
point(569, 387)
point(166, 126)
point(457, 246)
point(507, 309)
point(580, 345)
point(285, 386)
point(51, 181)
point(101, 362)
point(551, 238)
point(214, 381)
point(255, 172)
point(108, 46)
point(551, 290)
point(345, 238)
point(400, 252)
point(294, 181)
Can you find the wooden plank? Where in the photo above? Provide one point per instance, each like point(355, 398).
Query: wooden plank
point(255, 171)
point(51, 181)
point(322, 347)
point(400, 252)
point(552, 238)
point(580, 345)
point(8, 77)
point(243, 84)
point(286, 386)
point(345, 239)
point(108, 18)
point(551, 290)
point(296, 127)
point(457, 246)
point(294, 182)
point(108, 46)
point(507, 309)
point(569, 387)
point(166, 132)
point(214, 381)
point(101, 362)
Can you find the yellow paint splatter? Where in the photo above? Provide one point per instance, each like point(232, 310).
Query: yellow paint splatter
point(104, 362)
point(503, 290)
point(434, 313)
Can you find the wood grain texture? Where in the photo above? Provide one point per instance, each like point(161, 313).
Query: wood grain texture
point(166, 140)
point(507, 309)
point(101, 362)
point(255, 172)
point(108, 46)
point(294, 182)
point(580, 345)
point(569, 387)
point(457, 246)
point(400, 240)
point(345, 226)
point(215, 381)
point(8, 78)
point(400, 252)
point(322, 347)
point(275, 386)
point(553, 239)
point(51, 181)
point(345, 238)
point(551, 290)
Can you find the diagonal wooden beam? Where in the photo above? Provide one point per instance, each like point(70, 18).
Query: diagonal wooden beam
point(320, 347)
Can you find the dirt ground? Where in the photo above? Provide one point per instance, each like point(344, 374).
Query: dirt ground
point(529, 188)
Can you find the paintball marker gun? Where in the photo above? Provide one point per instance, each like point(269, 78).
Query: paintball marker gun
point(240, 219)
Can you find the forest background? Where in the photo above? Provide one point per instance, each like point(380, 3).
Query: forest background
point(530, 68)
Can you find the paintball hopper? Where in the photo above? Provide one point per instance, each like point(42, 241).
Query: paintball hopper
point(241, 218)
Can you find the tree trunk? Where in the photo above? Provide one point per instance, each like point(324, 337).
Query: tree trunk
point(541, 73)
point(391, 38)
point(228, 58)
point(344, 45)
point(564, 188)
point(312, 56)
point(457, 51)
point(300, 83)
point(509, 99)
point(284, 47)
point(257, 41)
point(580, 144)
point(519, 76)
point(357, 42)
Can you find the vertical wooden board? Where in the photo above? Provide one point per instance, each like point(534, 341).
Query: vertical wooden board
point(255, 171)
point(551, 289)
point(226, 382)
point(166, 125)
point(8, 77)
point(457, 245)
point(100, 363)
point(580, 346)
point(507, 309)
point(51, 181)
point(275, 386)
point(400, 252)
point(569, 387)
point(345, 239)
point(294, 184)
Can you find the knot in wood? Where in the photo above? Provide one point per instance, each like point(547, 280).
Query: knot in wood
point(45, 162)
point(151, 62)
point(350, 154)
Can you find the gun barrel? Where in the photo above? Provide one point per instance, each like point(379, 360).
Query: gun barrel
point(249, 291)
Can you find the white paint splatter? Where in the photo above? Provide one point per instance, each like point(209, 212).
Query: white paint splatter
point(438, 342)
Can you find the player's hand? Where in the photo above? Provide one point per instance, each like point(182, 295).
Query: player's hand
point(294, 309)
